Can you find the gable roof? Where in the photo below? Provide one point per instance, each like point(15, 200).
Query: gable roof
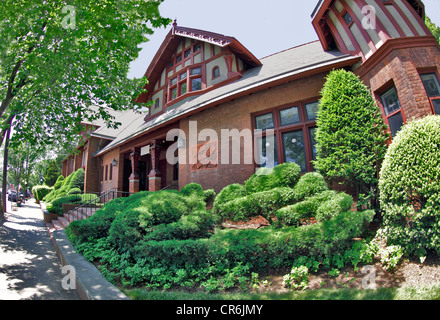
point(172, 40)
point(278, 68)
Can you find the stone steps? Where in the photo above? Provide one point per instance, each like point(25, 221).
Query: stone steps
point(64, 221)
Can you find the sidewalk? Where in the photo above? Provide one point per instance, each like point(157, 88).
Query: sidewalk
point(29, 266)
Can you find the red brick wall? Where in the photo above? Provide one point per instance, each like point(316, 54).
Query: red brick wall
point(238, 114)
point(401, 67)
point(106, 160)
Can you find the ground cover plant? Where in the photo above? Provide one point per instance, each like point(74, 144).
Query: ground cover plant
point(168, 239)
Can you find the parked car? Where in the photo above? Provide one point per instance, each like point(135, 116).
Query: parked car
point(12, 196)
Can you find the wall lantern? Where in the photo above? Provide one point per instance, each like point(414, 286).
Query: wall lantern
point(114, 162)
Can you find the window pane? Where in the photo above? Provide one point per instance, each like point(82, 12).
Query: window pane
point(312, 132)
point(182, 76)
point(348, 19)
point(431, 85)
point(196, 84)
point(196, 71)
point(178, 59)
point(267, 152)
point(436, 104)
point(293, 144)
point(264, 122)
point(395, 122)
point(390, 101)
point(187, 53)
point(174, 81)
point(174, 93)
point(183, 88)
point(289, 116)
point(312, 110)
point(197, 47)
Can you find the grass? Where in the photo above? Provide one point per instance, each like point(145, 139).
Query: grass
point(419, 293)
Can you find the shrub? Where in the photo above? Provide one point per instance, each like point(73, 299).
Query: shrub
point(309, 184)
point(56, 206)
point(283, 175)
point(228, 193)
point(41, 191)
point(74, 191)
point(98, 225)
point(196, 224)
point(336, 205)
point(193, 189)
point(410, 187)
point(263, 203)
point(293, 214)
point(351, 134)
point(209, 196)
point(63, 186)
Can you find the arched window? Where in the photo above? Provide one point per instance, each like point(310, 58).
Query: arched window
point(215, 72)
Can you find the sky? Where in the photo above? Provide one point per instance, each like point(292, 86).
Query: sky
point(263, 27)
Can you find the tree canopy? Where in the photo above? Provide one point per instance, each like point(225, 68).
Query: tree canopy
point(58, 58)
point(433, 28)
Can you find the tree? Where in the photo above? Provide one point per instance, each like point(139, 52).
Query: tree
point(61, 64)
point(52, 172)
point(58, 60)
point(433, 28)
point(351, 135)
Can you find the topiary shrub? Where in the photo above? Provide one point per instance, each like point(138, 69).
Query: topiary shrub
point(293, 214)
point(56, 206)
point(228, 193)
point(263, 203)
point(75, 191)
point(40, 192)
point(339, 203)
point(409, 185)
point(283, 175)
point(309, 184)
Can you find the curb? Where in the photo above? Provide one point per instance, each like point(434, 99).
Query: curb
point(90, 283)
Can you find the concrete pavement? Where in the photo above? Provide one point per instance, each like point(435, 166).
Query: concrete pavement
point(29, 266)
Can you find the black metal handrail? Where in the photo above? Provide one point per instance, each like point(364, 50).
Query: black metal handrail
point(89, 208)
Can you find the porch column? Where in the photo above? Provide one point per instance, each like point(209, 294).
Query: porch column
point(154, 177)
point(134, 177)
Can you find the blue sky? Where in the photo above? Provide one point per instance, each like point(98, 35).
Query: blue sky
point(263, 27)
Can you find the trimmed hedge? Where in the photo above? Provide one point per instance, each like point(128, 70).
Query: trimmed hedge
point(63, 185)
point(41, 191)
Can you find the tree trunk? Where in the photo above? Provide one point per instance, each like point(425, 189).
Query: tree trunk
point(5, 172)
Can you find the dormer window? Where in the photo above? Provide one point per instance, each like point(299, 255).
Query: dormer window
point(187, 53)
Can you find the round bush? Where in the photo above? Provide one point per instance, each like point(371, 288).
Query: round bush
point(409, 185)
point(310, 184)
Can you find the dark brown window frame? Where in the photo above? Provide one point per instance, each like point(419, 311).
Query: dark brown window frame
point(305, 125)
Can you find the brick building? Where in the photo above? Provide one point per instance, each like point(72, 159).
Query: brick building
point(220, 112)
